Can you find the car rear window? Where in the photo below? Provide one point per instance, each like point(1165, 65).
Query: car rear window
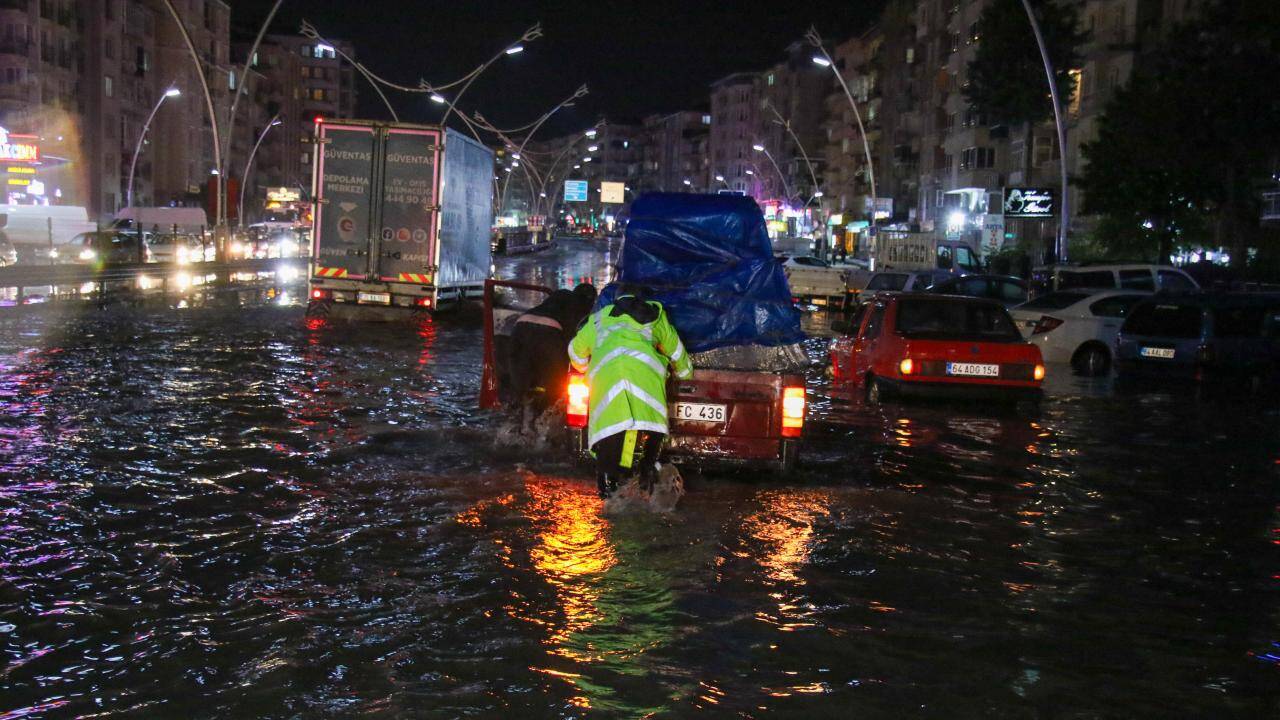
point(1054, 301)
point(1164, 320)
point(955, 320)
point(1088, 279)
point(1240, 322)
point(887, 281)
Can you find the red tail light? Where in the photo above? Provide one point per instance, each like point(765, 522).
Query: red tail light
point(319, 294)
point(424, 302)
point(577, 407)
point(1045, 324)
point(793, 404)
point(907, 366)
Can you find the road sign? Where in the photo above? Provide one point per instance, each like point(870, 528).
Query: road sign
point(613, 192)
point(575, 190)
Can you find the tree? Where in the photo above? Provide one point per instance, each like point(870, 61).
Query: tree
point(1183, 148)
point(1006, 75)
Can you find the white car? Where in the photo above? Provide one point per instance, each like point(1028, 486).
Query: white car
point(180, 249)
point(1077, 326)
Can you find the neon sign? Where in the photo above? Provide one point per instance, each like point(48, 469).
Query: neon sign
point(14, 150)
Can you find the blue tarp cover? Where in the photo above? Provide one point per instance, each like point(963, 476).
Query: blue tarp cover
point(709, 261)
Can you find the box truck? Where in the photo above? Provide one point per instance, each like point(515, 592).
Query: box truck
point(402, 218)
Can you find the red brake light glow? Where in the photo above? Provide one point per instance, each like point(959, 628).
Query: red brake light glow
point(907, 366)
point(576, 409)
point(793, 404)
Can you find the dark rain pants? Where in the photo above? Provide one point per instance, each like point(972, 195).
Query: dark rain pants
point(538, 365)
point(618, 459)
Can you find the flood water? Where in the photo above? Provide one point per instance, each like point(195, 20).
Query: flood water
point(217, 512)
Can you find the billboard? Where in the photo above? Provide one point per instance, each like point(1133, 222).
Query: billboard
point(575, 190)
point(1020, 202)
point(613, 192)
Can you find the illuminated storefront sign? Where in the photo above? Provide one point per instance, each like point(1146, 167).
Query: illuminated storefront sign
point(1029, 202)
point(18, 148)
point(283, 195)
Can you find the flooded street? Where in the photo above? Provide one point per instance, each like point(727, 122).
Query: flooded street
point(218, 512)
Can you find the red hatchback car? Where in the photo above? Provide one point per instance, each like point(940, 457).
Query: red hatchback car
point(943, 345)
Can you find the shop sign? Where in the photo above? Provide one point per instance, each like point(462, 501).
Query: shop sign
point(1021, 202)
point(18, 148)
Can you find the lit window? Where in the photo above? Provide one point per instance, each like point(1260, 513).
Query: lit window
point(108, 87)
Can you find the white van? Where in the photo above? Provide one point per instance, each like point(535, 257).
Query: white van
point(189, 220)
point(1131, 276)
point(35, 229)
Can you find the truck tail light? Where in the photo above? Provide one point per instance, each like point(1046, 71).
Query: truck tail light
point(1045, 324)
point(793, 403)
point(1038, 373)
point(907, 366)
point(319, 294)
point(424, 302)
point(577, 407)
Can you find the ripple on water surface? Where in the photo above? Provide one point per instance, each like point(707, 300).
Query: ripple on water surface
point(259, 515)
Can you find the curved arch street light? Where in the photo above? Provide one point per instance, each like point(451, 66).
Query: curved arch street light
point(824, 60)
point(133, 165)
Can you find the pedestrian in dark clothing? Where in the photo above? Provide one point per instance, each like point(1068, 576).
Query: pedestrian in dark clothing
point(538, 366)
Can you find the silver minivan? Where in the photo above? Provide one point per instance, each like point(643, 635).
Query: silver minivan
point(1129, 276)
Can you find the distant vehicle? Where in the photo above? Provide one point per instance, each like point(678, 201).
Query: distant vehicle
point(1133, 276)
point(815, 280)
point(1004, 289)
point(34, 230)
point(8, 253)
point(803, 261)
point(894, 281)
point(181, 220)
point(105, 248)
point(899, 250)
point(179, 249)
point(403, 218)
point(1076, 326)
point(935, 345)
point(1202, 337)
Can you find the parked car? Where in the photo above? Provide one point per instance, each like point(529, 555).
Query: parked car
point(105, 248)
point(926, 344)
point(1132, 276)
point(1201, 337)
point(180, 249)
point(803, 261)
point(1076, 326)
point(1004, 289)
point(900, 281)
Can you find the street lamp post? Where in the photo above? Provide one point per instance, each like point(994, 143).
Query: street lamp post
point(1062, 129)
point(786, 189)
point(133, 165)
point(825, 61)
point(244, 179)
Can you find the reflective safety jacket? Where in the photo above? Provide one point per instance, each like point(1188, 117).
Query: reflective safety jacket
point(626, 365)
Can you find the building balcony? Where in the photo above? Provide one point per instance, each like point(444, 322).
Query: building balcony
point(986, 178)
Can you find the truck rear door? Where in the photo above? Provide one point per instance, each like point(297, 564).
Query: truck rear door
point(404, 246)
point(344, 193)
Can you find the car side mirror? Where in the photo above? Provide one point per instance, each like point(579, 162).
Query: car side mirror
point(841, 327)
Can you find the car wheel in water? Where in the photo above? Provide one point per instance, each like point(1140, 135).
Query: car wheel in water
point(1091, 360)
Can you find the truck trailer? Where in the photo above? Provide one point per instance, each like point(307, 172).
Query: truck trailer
point(402, 218)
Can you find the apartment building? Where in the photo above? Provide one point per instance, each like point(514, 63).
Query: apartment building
point(734, 106)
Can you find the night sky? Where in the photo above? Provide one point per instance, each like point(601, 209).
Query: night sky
point(636, 57)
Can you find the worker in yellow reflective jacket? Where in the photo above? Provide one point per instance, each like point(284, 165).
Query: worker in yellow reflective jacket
point(625, 349)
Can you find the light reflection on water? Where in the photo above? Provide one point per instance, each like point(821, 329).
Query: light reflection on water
point(213, 514)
